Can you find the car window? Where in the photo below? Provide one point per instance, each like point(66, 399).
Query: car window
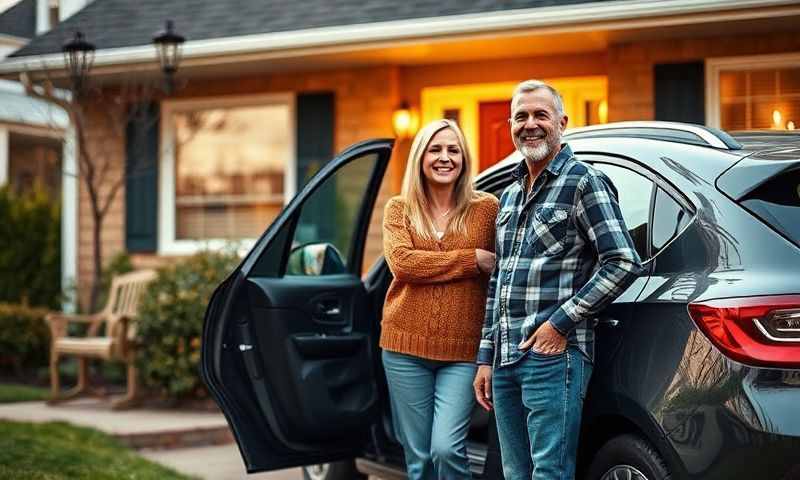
point(326, 232)
point(669, 218)
point(633, 193)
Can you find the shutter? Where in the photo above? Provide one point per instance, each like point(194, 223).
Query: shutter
point(315, 120)
point(141, 178)
point(680, 92)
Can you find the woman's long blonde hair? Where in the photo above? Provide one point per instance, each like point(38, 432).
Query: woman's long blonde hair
point(415, 186)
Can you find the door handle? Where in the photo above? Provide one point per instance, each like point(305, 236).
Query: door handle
point(328, 311)
point(611, 322)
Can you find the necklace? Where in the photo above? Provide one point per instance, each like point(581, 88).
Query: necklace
point(445, 213)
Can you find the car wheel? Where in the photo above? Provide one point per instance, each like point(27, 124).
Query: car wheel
point(627, 457)
point(344, 470)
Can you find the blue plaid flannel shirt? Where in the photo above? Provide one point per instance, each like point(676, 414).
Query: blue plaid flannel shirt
point(563, 254)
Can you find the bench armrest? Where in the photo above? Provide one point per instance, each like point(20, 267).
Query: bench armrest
point(58, 322)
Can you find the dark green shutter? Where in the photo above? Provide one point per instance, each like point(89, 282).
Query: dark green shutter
point(315, 121)
point(680, 92)
point(141, 178)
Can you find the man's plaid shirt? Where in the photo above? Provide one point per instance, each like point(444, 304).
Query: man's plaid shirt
point(563, 254)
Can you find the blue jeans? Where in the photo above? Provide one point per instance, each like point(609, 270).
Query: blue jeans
point(431, 406)
point(538, 402)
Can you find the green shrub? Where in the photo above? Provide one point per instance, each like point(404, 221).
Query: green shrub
point(30, 248)
point(171, 322)
point(24, 338)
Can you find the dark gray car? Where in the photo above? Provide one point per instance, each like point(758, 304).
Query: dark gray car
point(697, 372)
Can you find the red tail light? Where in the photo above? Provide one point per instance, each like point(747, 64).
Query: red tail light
point(763, 331)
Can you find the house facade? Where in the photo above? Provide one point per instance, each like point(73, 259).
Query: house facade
point(267, 92)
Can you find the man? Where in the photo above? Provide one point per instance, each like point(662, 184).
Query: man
point(563, 254)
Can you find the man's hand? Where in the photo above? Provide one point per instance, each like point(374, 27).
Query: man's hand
point(545, 340)
point(483, 387)
point(485, 260)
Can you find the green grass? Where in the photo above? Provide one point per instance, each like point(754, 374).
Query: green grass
point(57, 450)
point(10, 393)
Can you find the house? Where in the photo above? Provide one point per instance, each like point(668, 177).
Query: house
point(268, 90)
point(31, 131)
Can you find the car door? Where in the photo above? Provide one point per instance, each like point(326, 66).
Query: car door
point(286, 350)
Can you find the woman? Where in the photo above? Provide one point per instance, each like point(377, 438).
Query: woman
point(438, 239)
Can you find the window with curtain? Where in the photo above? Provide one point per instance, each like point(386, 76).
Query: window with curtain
point(230, 169)
point(760, 99)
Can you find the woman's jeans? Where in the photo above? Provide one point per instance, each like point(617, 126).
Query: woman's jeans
point(431, 403)
point(537, 403)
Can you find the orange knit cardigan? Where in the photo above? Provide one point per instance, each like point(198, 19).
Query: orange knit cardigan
point(435, 304)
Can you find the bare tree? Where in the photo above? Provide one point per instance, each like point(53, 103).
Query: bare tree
point(99, 168)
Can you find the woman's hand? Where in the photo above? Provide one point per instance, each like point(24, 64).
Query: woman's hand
point(483, 387)
point(485, 260)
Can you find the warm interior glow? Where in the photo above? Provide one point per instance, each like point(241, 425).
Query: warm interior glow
point(776, 118)
point(790, 125)
point(602, 111)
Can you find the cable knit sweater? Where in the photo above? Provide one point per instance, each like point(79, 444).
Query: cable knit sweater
point(435, 305)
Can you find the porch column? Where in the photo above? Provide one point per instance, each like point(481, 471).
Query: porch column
point(69, 221)
point(3, 156)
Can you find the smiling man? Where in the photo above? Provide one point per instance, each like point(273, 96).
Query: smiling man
point(563, 254)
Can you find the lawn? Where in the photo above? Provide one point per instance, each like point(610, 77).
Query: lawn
point(10, 393)
point(57, 450)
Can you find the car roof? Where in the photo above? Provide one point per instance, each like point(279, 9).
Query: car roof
point(770, 144)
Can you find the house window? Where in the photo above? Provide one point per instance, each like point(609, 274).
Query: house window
point(231, 172)
point(755, 93)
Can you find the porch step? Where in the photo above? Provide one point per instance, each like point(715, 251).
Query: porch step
point(138, 428)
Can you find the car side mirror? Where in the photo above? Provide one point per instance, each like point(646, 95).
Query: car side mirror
point(315, 259)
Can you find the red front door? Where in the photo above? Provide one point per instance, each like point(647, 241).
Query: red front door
point(495, 133)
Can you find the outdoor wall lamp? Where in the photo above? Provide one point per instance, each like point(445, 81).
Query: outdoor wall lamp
point(78, 58)
point(168, 45)
point(405, 121)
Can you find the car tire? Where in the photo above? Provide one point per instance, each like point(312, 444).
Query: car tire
point(629, 457)
point(344, 470)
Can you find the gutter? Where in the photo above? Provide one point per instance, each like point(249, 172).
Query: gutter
point(624, 14)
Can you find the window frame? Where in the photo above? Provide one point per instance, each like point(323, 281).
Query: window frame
point(715, 66)
point(168, 244)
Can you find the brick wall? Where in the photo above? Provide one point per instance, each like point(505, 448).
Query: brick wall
point(630, 65)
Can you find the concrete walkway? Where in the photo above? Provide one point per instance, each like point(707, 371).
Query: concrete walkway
point(220, 462)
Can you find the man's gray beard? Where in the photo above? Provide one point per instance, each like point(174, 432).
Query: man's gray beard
point(535, 154)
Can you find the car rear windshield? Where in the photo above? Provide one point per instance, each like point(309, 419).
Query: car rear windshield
point(777, 202)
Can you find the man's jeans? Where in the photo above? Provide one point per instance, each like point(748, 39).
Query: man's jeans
point(432, 403)
point(548, 392)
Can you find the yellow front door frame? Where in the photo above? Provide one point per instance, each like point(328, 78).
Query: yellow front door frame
point(576, 91)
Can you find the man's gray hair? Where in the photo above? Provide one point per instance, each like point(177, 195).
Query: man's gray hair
point(533, 85)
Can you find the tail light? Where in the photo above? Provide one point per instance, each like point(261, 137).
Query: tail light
point(763, 331)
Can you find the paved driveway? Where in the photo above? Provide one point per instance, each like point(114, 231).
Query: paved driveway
point(218, 463)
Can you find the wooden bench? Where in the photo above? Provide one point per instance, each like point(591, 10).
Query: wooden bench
point(115, 344)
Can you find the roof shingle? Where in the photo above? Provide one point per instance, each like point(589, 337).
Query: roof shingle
point(19, 20)
point(122, 23)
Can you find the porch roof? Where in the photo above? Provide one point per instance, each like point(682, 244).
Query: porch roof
point(277, 35)
point(122, 23)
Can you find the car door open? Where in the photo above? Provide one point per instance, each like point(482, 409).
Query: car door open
point(286, 341)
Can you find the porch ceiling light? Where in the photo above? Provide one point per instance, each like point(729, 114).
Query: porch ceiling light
point(78, 58)
point(168, 45)
point(404, 121)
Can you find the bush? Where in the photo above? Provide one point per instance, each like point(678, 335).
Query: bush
point(24, 338)
point(170, 323)
point(30, 248)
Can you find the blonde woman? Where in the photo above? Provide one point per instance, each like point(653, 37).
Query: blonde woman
point(438, 239)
